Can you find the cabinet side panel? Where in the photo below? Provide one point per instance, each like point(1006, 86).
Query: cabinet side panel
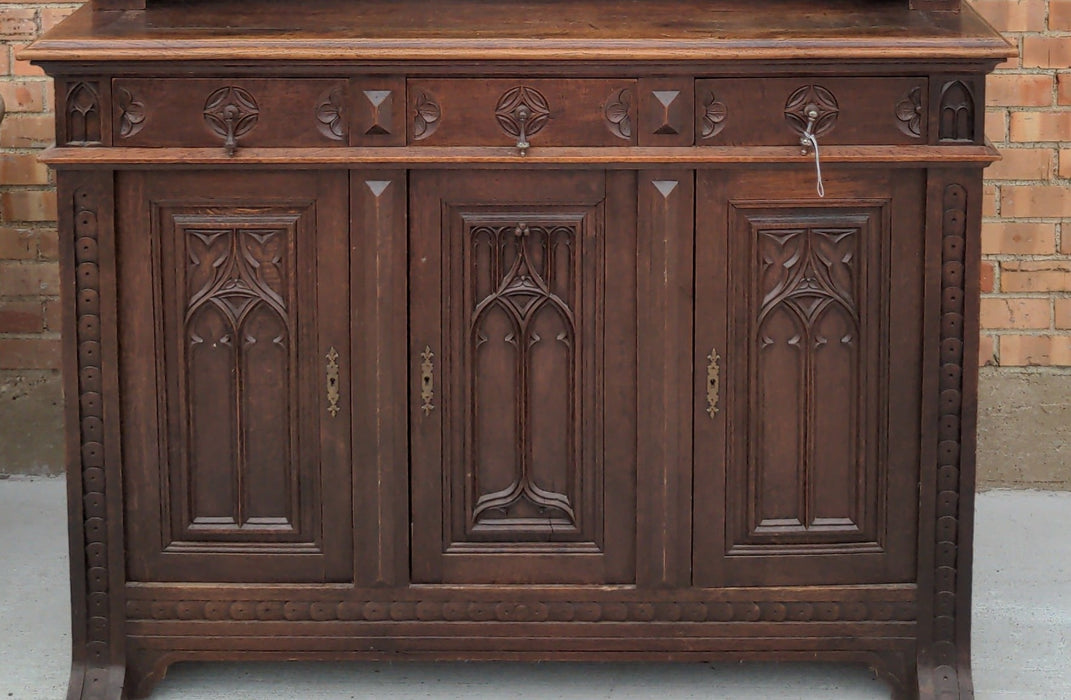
point(87, 250)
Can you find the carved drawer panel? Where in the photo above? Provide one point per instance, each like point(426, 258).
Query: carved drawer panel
point(520, 111)
point(230, 113)
point(778, 111)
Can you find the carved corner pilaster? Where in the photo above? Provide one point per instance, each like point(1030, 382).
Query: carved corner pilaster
point(943, 661)
point(93, 475)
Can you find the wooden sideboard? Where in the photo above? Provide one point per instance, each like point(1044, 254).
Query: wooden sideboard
point(530, 330)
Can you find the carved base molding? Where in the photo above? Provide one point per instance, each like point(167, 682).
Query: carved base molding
point(529, 611)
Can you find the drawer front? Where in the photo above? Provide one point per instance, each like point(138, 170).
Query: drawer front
point(471, 112)
point(203, 112)
point(774, 112)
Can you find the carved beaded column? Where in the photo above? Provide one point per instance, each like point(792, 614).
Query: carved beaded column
point(947, 521)
point(93, 473)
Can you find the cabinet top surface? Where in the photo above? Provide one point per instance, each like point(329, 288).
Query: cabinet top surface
point(520, 30)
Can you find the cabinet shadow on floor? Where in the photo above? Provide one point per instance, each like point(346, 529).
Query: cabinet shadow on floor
point(534, 681)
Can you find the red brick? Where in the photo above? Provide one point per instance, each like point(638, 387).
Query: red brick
point(22, 169)
point(1022, 164)
point(17, 243)
point(47, 244)
point(1035, 276)
point(1060, 15)
point(5, 61)
point(1065, 162)
point(1035, 201)
point(1062, 316)
point(1014, 312)
point(996, 125)
point(23, 96)
point(1035, 350)
point(988, 277)
point(17, 21)
point(1046, 51)
point(27, 130)
point(18, 280)
point(1019, 89)
point(21, 317)
point(1013, 15)
point(990, 196)
point(33, 353)
point(53, 314)
point(987, 350)
point(1018, 238)
point(1063, 88)
point(30, 279)
point(29, 205)
point(24, 67)
point(51, 16)
point(1040, 126)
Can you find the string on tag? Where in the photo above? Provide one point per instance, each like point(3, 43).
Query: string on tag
point(817, 162)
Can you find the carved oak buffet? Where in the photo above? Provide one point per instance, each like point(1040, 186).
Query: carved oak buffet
point(462, 330)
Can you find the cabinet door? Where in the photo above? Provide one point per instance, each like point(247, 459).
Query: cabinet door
point(818, 375)
point(522, 342)
point(236, 447)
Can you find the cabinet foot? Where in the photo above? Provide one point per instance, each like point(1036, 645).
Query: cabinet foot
point(944, 681)
point(92, 682)
point(897, 669)
point(144, 669)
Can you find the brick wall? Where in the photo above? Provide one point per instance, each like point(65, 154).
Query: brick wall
point(1026, 237)
point(29, 308)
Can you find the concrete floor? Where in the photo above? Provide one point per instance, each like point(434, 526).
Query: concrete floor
point(1022, 630)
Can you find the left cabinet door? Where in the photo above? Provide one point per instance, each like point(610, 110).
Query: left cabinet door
point(233, 296)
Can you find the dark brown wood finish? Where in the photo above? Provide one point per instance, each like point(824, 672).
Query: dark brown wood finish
point(352, 375)
point(522, 307)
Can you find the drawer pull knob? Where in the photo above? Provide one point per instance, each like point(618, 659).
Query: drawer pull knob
point(713, 382)
point(333, 391)
point(522, 111)
point(523, 115)
point(231, 112)
point(427, 380)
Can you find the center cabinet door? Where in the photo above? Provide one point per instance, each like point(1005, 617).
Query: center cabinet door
point(523, 366)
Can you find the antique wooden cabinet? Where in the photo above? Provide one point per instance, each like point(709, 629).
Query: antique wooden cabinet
point(528, 330)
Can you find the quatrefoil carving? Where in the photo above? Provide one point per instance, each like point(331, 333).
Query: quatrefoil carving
point(818, 98)
point(513, 102)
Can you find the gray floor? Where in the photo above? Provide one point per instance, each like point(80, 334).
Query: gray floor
point(1022, 630)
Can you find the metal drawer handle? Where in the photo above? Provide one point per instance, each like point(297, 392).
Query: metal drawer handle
point(523, 115)
point(809, 140)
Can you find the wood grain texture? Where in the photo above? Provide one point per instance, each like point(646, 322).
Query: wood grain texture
point(371, 30)
point(283, 158)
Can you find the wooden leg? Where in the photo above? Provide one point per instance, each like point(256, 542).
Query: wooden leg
point(144, 669)
point(89, 682)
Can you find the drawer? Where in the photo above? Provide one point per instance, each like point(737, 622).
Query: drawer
point(772, 111)
point(471, 112)
point(199, 112)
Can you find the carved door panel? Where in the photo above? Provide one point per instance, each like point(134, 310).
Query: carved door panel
point(522, 342)
point(819, 371)
point(236, 423)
